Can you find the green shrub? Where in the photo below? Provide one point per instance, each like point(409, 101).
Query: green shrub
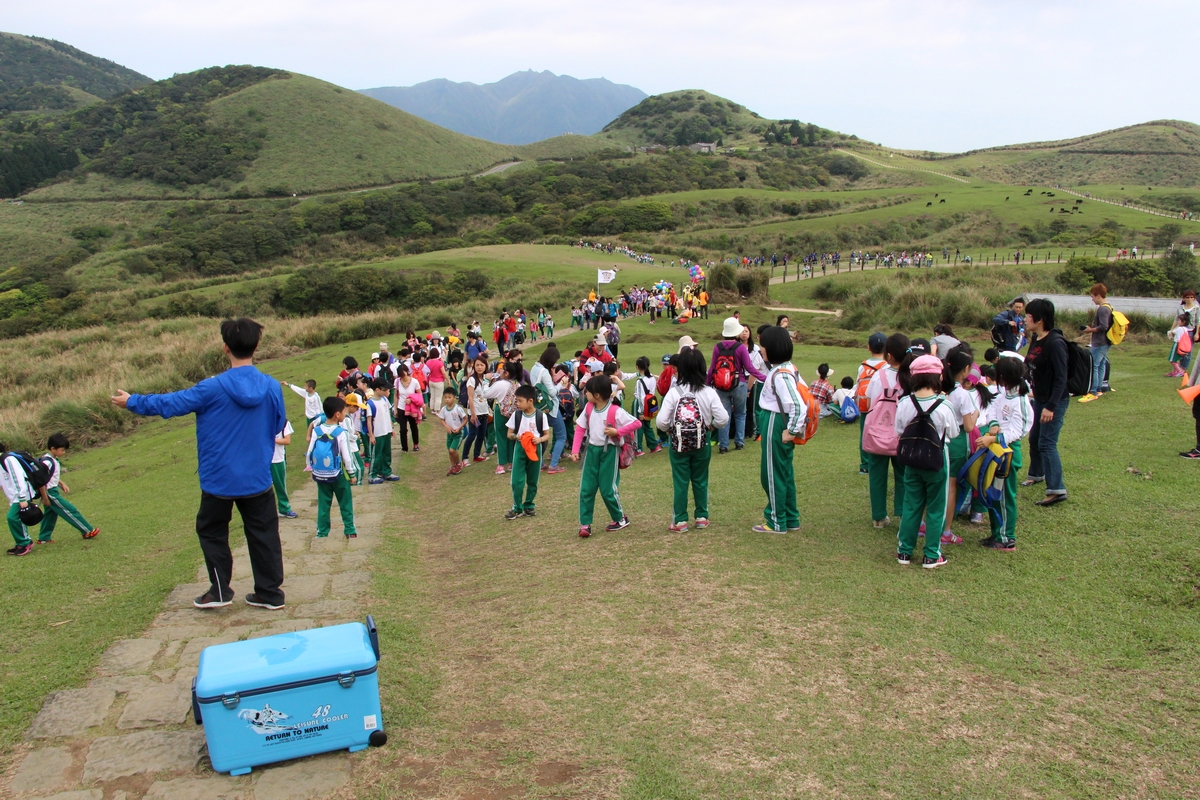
point(753, 283)
point(1104, 238)
point(1166, 235)
point(723, 278)
point(1181, 270)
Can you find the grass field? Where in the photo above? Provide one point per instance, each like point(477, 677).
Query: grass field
point(1160, 154)
point(653, 665)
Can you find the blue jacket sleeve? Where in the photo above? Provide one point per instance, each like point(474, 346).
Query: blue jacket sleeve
point(1003, 318)
point(175, 404)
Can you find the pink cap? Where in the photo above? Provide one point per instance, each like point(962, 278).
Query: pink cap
point(926, 365)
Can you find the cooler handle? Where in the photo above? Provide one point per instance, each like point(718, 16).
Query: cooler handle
point(195, 704)
point(374, 634)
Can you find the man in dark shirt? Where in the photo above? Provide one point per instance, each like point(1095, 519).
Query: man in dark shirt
point(1047, 362)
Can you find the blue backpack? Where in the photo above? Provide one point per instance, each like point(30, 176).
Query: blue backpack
point(849, 410)
point(986, 471)
point(325, 458)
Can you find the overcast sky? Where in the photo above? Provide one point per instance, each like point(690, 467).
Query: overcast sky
point(938, 75)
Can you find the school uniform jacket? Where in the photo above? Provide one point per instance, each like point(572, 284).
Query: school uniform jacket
point(779, 395)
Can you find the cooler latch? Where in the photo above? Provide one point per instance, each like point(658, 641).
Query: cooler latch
point(346, 680)
point(230, 700)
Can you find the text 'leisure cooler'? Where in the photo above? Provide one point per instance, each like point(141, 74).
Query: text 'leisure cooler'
point(289, 695)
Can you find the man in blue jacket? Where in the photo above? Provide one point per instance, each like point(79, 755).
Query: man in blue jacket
point(238, 413)
point(1013, 322)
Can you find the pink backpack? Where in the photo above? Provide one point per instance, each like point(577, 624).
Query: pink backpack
point(626, 442)
point(879, 432)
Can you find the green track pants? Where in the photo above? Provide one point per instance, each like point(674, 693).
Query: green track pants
point(877, 476)
point(61, 507)
point(600, 473)
point(381, 457)
point(17, 528)
point(504, 446)
point(279, 481)
point(924, 498)
point(647, 434)
point(325, 494)
point(690, 470)
point(776, 472)
point(1004, 526)
point(524, 476)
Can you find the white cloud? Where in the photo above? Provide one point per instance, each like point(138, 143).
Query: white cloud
point(932, 75)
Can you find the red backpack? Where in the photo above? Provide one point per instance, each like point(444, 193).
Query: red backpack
point(725, 368)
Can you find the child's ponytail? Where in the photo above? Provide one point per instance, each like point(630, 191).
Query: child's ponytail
point(1010, 373)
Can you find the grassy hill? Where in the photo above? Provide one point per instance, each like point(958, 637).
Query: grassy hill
point(693, 115)
point(44, 75)
point(1153, 154)
point(321, 137)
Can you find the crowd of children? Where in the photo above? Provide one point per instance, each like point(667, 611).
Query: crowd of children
point(925, 420)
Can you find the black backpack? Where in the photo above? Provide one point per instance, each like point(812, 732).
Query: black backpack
point(1079, 369)
point(539, 421)
point(999, 335)
point(37, 471)
point(920, 445)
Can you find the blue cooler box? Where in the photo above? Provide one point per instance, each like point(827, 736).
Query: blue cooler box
point(289, 695)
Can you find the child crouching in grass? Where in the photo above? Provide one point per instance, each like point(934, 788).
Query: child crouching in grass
point(602, 423)
point(56, 504)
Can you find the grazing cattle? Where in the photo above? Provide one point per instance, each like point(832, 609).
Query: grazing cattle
point(1049, 194)
point(1078, 202)
point(927, 205)
point(942, 200)
point(935, 194)
point(1006, 199)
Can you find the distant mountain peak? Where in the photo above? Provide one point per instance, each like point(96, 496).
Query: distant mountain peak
point(526, 106)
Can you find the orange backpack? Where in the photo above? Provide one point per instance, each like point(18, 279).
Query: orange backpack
point(860, 389)
point(812, 410)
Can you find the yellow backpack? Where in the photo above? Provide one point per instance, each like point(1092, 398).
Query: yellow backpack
point(1119, 327)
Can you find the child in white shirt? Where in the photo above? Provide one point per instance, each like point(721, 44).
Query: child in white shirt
point(1181, 347)
point(925, 490)
point(601, 472)
point(339, 486)
point(454, 420)
point(1010, 414)
point(20, 496)
point(312, 400)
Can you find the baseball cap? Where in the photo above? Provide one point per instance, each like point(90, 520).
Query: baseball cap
point(667, 358)
point(594, 365)
point(876, 342)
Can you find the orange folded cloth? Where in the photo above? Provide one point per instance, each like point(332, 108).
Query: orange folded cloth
point(530, 446)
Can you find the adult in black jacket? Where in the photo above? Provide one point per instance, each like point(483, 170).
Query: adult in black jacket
point(1047, 362)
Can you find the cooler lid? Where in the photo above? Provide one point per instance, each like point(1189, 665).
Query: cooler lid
point(284, 658)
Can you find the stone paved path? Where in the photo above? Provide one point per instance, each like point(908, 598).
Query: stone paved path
point(130, 734)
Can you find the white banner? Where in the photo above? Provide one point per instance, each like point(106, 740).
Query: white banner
point(606, 275)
